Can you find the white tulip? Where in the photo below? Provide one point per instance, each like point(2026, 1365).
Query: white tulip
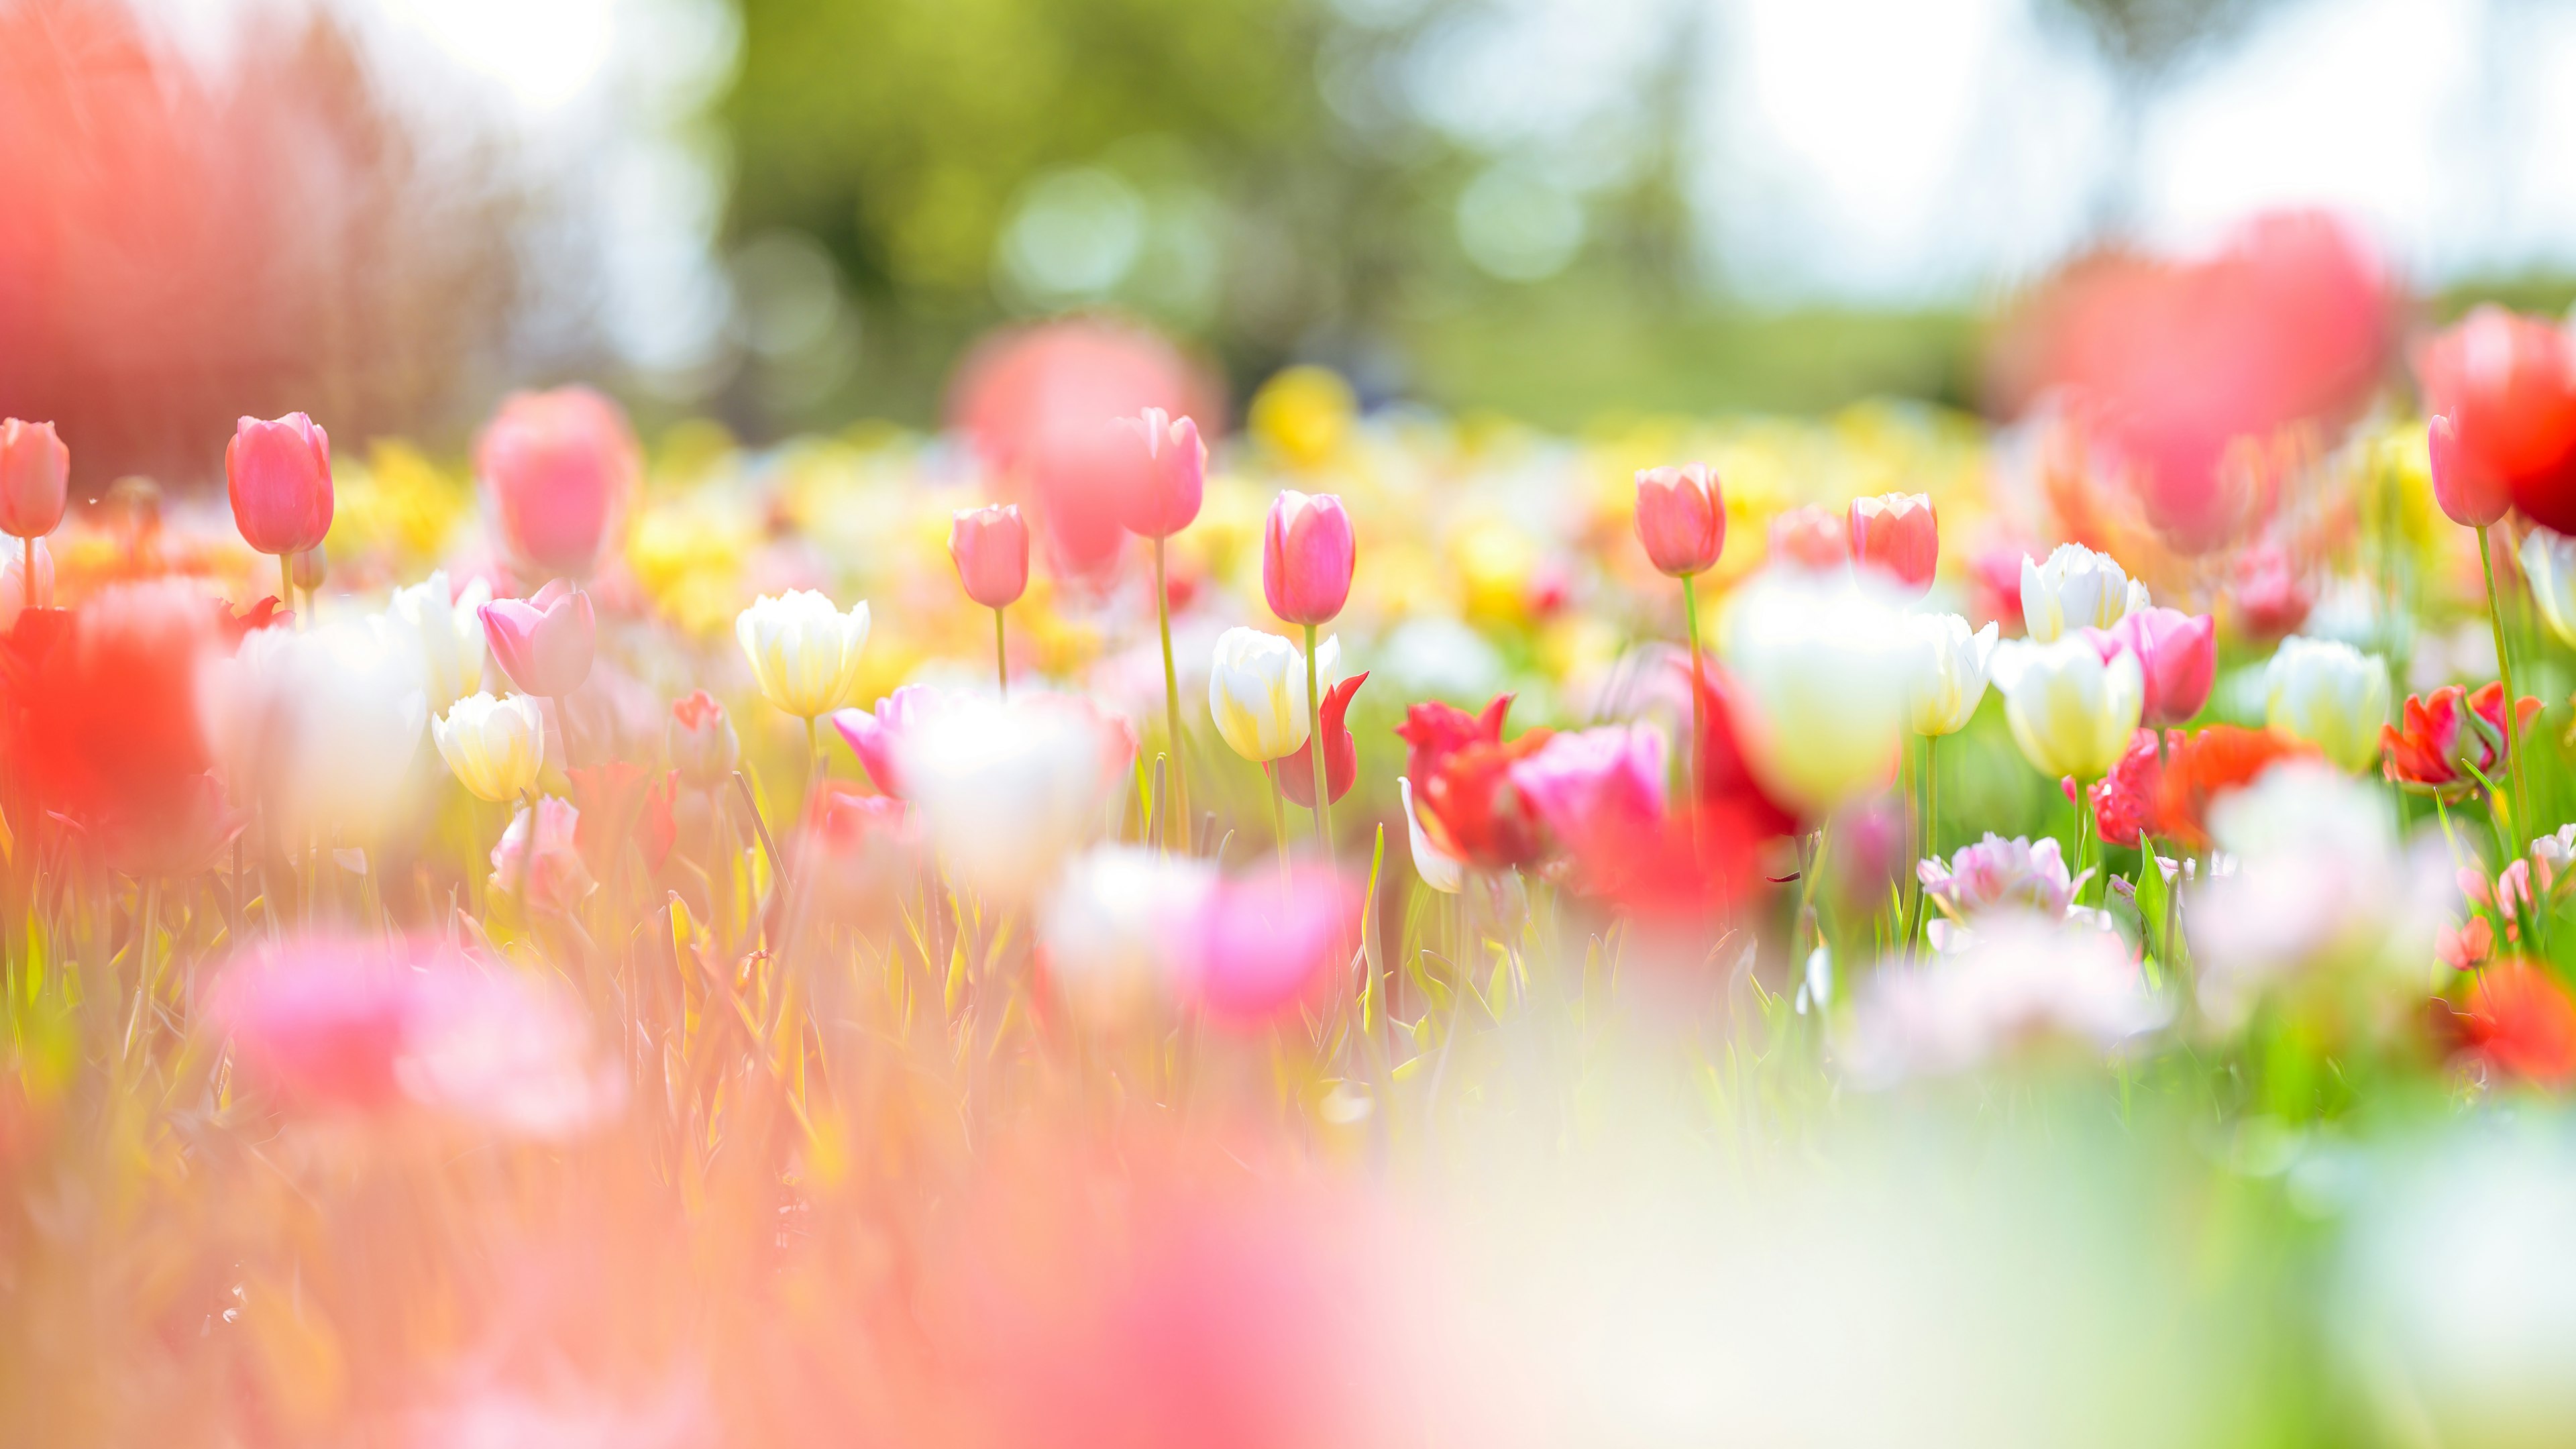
point(1009, 789)
point(1438, 868)
point(804, 652)
point(318, 728)
point(1950, 667)
point(2549, 561)
point(1113, 924)
point(446, 626)
point(495, 746)
point(2073, 705)
point(2331, 695)
point(2076, 589)
point(1257, 691)
point(1819, 659)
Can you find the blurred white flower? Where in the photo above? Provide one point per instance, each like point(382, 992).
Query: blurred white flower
point(2073, 704)
point(507, 1051)
point(2549, 562)
point(1820, 664)
point(1116, 926)
point(1948, 670)
point(317, 729)
point(2023, 982)
point(1438, 868)
point(804, 652)
point(494, 746)
point(1257, 691)
point(2329, 694)
point(2076, 589)
point(1009, 789)
point(446, 626)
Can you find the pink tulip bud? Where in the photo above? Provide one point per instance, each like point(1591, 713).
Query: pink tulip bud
point(560, 468)
point(1810, 537)
point(35, 479)
point(2178, 654)
point(1898, 534)
point(1307, 554)
point(702, 743)
point(1262, 945)
point(280, 474)
point(877, 737)
point(1161, 497)
point(2470, 492)
point(1681, 518)
point(544, 643)
point(991, 548)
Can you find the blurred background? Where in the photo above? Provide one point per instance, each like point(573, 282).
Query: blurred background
point(800, 214)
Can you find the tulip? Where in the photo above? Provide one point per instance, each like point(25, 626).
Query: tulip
point(1818, 663)
point(1810, 537)
point(2467, 491)
point(1162, 497)
point(1596, 788)
point(2549, 562)
point(701, 741)
point(2023, 984)
point(1681, 518)
point(2177, 654)
point(990, 546)
point(280, 474)
point(544, 643)
point(876, 738)
point(495, 746)
point(1438, 868)
point(35, 479)
point(1999, 874)
point(857, 855)
point(554, 879)
point(2206, 768)
point(1009, 789)
point(1898, 534)
point(2331, 695)
point(804, 653)
point(560, 469)
point(1296, 774)
point(2507, 385)
point(1257, 691)
point(2452, 743)
point(446, 626)
point(1307, 554)
point(105, 703)
point(2271, 594)
point(1461, 772)
point(1950, 666)
point(2072, 704)
point(319, 729)
point(14, 592)
point(1265, 945)
point(2076, 589)
point(1122, 927)
point(2522, 1022)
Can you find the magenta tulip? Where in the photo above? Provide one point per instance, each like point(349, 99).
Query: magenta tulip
point(1160, 495)
point(2473, 494)
point(1307, 554)
point(1681, 518)
point(877, 737)
point(2178, 655)
point(990, 547)
point(561, 468)
point(544, 643)
point(1262, 945)
point(280, 474)
point(1597, 790)
point(35, 479)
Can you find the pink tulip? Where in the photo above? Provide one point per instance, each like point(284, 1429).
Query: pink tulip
point(1681, 518)
point(561, 468)
point(555, 879)
point(2178, 653)
point(1161, 496)
point(990, 546)
point(1262, 945)
point(1810, 537)
point(1595, 788)
point(2473, 494)
point(1898, 534)
point(702, 743)
point(1307, 554)
point(35, 479)
point(876, 738)
point(280, 474)
point(544, 643)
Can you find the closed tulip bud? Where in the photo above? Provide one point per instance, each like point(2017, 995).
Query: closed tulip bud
point(35, 479)
point(495, 746)
point(447, 626)
point(2331, 695)
point(702, 743)
point(2076, 588)
point(280, 475)
point(543, 643)
point(876, 737)
point(1899, 535)
point(1439, 869)
point(2549, 562)
point(560, 469)
point(803, 652)
point(1257, 691)
point(2178, 655)
point(1818, 662)
point(990, 547)
point(1681, 518)
point(2072, 704)
point(2470, 492)
point(1161, 496)
point(1307, 554)
point(1947, 677)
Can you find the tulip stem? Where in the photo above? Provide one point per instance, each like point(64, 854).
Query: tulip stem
point(2504, 673)
point(27, 580)
point(814, 754)
point(285, 586)
point(1001, 657)
point(1278, 814)
point(1931, 782)
point(1315, 747)
point(1699, 682)
point(1179, 828)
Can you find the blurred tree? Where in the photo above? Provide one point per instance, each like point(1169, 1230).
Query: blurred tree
point(2143, 42)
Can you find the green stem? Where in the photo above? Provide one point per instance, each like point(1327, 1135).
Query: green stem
point(285, 587)
point(1179, 833)
point(1001, 659)
point(1699, 724)
point(1931, 781)
point(1315, 749)
point(2504, 672)
point(813, 755)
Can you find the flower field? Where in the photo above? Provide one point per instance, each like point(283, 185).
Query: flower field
point(1095, 927)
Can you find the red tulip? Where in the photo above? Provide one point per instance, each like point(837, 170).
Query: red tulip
point(990, 546)
point(35, 479)
point(560, 469)
point(2521, 1022)
point(1296, 773)
point(2470, 493)
point(2207, 765)
point(2178, 654)
point(1161, 497)
point(1811, 537)
point(1899, 535)
point(1681, 518)
point(1462, 790)
point(1727, 783)
point(544, 644)
point(103, 705)
point(1307, 554)
point(280, 474)
point(2444, 734)
point(701, 740)
point(2508, 386)
point(2124, 801)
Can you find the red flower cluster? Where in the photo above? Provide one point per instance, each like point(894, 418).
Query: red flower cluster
point(2447, 733)
point(1460, 770)
point(2169, 793)
point(2521, 1022)
point(2507, 384)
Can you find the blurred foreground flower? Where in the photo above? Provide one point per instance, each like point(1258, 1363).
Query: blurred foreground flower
point(877, 736)
point(560, 470)
point(1819, 663)
point(1123, 927)
point(2331, 695)
point(1008, 790)
point(2024, 983)
point(318, 730)
point(446, 627)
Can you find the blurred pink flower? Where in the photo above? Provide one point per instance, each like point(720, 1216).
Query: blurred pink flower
point(1899, 535)
point(1814, 538)
point(855, 854)
point(556, 879)
point(280, 475)
point(1595, 787)
point(2272, 598)
point(1307, 554)
point(1261, 946)
point(561, 469)
point(544, 643)
point(35, 478)
point(2025, 982)
point(875, 737)
point(2178, 655)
